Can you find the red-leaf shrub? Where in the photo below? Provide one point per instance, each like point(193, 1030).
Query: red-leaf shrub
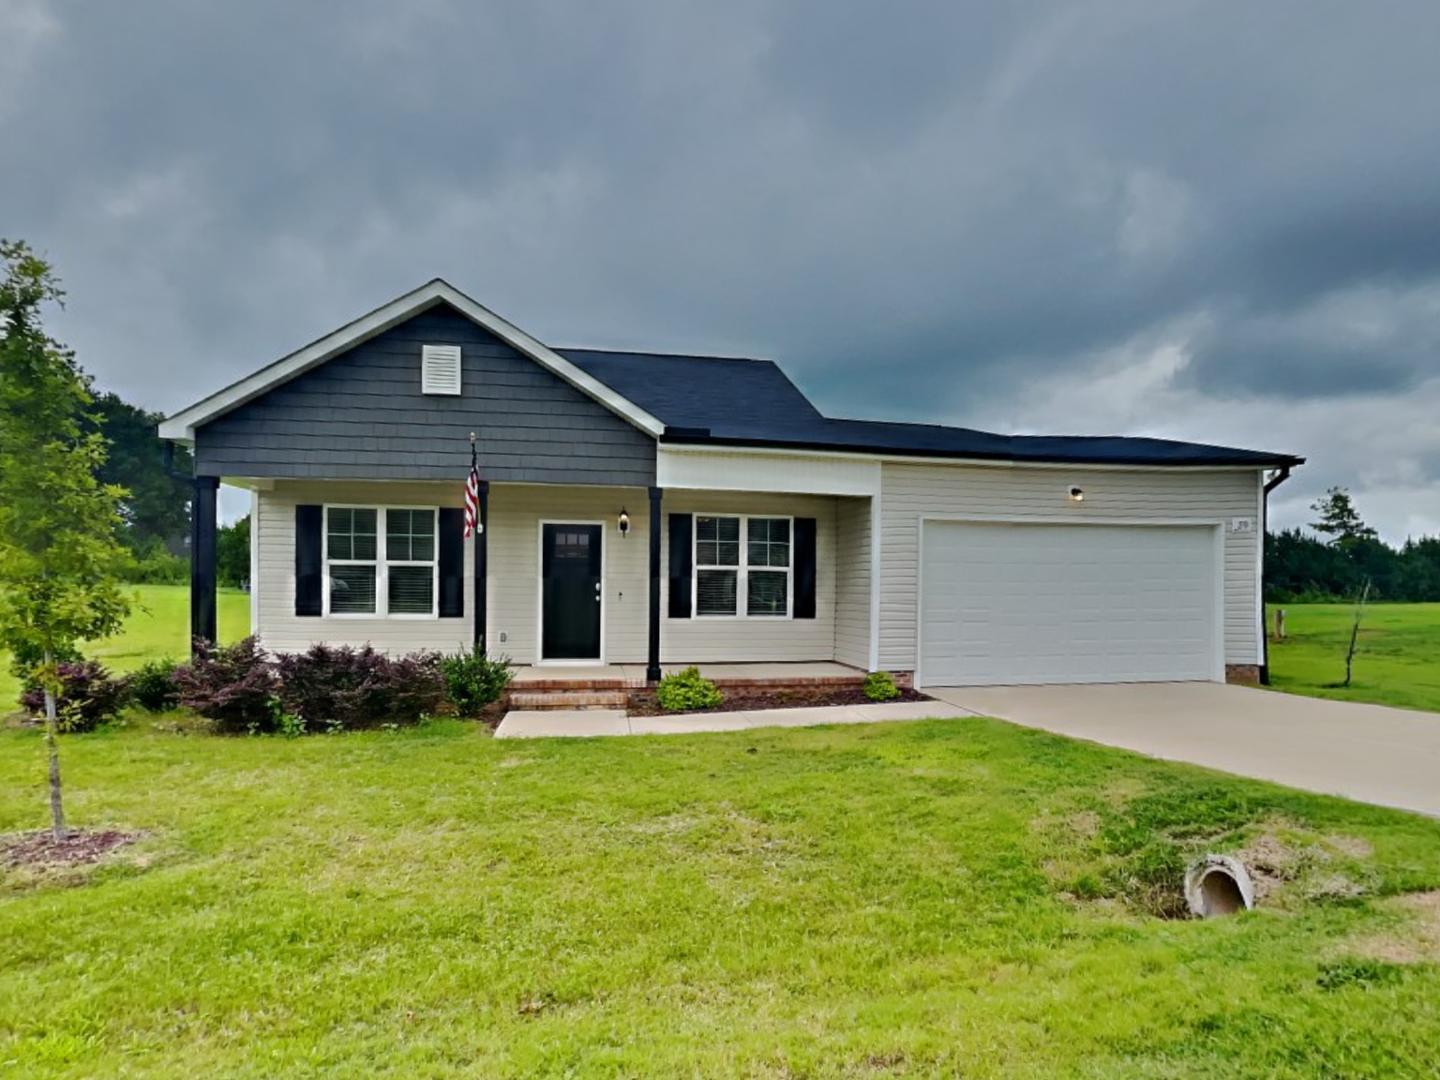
point(88, 697)
point(233, 686)
point(335, 687)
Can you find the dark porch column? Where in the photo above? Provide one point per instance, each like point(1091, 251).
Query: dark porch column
point(652, 666)
point(202, 559)
point(482, 562)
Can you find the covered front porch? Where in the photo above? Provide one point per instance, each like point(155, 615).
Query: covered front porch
point(604, 585)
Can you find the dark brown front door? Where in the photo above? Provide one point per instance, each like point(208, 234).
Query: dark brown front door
point(571, 592)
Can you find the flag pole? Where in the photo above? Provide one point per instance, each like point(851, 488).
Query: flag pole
point(481, 554)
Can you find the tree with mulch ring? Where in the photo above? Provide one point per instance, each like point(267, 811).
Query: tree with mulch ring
point(41, 851)
point(60, 553)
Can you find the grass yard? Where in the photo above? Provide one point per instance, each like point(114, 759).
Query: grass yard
point(159, 625)
point(935, 898)
point(1398, 662)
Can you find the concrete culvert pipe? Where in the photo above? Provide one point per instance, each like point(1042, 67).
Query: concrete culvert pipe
point(1218, 885)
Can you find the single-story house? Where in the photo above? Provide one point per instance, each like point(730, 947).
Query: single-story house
point(652, 509)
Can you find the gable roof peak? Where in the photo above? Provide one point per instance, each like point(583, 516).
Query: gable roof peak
point(181, 426)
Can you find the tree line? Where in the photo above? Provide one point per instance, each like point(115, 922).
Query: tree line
point(1345, 555)
point(155, 509)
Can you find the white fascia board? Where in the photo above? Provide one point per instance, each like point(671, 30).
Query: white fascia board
point(181, 427)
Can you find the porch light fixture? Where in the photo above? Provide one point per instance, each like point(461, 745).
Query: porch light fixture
point(1076, 494)
point(624, 522)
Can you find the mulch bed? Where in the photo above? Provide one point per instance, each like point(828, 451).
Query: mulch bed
point(40, 850)
point(492, 714)
point(643, 703)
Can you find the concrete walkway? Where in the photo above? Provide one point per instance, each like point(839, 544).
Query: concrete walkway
point(585, 723)
point(1367, 752)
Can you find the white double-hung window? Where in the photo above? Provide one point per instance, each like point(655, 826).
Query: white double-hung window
point(742, 566)
point(381, 561)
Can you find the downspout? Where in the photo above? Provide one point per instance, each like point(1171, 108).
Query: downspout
point(1277, 478)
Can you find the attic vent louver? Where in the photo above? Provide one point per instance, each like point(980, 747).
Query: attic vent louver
point(440, 369)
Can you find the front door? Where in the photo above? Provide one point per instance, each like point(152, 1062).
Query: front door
point(571, 595)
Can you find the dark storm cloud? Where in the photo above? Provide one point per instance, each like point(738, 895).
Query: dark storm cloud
point(984, 201)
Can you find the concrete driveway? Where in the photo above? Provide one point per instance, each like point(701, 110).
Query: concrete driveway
point(1367, 752)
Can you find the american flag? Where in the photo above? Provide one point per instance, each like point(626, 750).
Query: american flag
point(472, 499)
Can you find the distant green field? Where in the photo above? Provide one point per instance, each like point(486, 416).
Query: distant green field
point(1398, 662)
point(159, 625)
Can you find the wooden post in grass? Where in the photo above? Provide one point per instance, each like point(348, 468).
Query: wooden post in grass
point(1279, 624)
point(1355, 631)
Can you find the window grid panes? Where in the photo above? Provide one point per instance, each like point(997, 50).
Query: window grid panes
point(768, 541)
point(409, 535)
point(352, 532)
point(742, 557)
point(370, 572)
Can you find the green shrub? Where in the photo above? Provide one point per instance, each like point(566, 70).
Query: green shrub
point(880, 686)
point(154, 565)
point(686, 690)
point(152, 685)
point(474, 680)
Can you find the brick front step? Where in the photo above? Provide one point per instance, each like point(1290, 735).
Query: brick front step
point(598, 683)
point(569, 699)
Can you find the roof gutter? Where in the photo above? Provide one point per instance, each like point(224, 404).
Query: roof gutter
point(1281, 475)
point(1277, 478)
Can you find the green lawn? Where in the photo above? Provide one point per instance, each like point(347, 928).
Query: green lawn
point(158, 626)
point(1398, 662)
point(936, 898)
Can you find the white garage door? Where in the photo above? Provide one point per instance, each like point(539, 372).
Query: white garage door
point(1005, 604)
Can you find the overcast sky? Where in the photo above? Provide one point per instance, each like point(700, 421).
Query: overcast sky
point(1207, 221)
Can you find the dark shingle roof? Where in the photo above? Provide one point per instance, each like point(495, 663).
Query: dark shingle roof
point(734, 401)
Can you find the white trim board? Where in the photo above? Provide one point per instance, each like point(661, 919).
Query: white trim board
point(728, 470)
point(181, 427)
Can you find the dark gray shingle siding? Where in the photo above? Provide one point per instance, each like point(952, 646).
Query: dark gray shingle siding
point(361, 415)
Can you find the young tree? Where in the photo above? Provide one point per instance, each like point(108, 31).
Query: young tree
point(59, 554)
point(1339, 519)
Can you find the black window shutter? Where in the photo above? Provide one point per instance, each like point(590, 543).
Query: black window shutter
point(681, 566)
point(804, 568)
point(452, 563)
point(309, 572)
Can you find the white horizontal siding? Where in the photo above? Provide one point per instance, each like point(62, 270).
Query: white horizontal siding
point(276, 623)
point(912, 491)
point(516, 511)
point(699, 640)
point(852, 582)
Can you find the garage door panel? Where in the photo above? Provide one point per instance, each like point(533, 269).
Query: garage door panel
point(1014, 603)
